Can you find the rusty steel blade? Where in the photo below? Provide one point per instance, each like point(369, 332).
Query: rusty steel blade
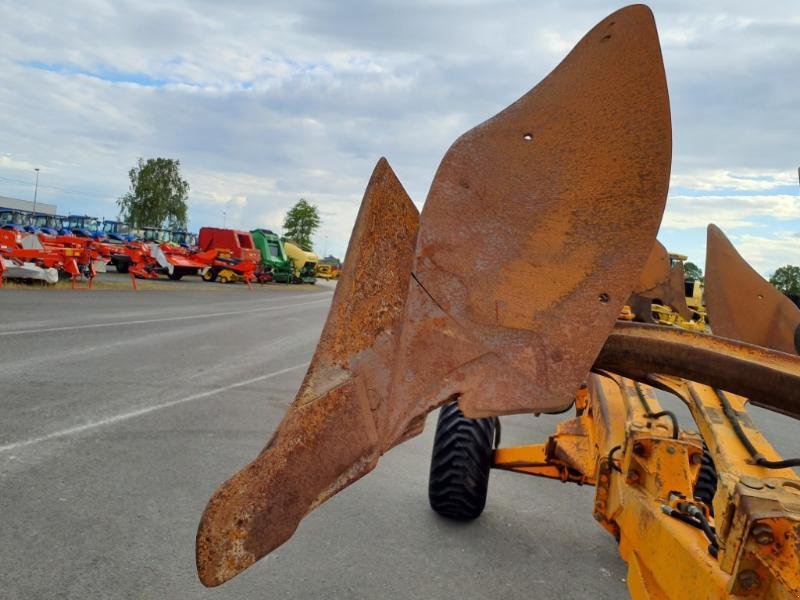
point(768, 378)
point(658, 282)
point(539, 220)
point(655, 271)
point(327, 438)
point(525, 253)
point(742, 305)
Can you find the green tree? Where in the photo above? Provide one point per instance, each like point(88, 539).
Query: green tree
point(301, 222)
point(787, 279)
point(692, 271)
point(157, 196)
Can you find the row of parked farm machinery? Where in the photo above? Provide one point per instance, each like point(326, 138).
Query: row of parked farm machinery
point(86, 226)
point(216, 254)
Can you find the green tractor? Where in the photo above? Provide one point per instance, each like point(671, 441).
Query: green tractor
point(273, 255)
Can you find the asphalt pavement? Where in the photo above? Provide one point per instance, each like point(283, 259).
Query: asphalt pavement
point(122, 411)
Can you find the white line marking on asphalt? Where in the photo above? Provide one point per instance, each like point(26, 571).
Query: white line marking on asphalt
point(143, 411)
point(160, 320)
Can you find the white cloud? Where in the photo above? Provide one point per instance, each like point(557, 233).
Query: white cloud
point(728, 211)
point(767, 253)
point(12, 164)
point(222, 188)
point(752, 180)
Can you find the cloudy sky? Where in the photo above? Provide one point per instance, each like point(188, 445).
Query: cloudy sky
point(268, 102)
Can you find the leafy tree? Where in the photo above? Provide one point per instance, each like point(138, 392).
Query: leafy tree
point(787, 280)
point(692, 271)
point(301, 222)
point(157, 195)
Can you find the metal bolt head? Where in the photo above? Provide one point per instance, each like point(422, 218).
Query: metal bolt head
point(763, 534)
point(632, 476)
point(749, 580)
point(696, 458)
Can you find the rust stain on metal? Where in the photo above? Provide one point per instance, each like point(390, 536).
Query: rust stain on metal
point(518, 254)
point(766, 377)
point(741, 304)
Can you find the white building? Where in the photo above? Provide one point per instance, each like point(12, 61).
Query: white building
point(16, 204)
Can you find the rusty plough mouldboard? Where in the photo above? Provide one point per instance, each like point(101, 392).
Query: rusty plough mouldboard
point(744, 306)
point(565, 189)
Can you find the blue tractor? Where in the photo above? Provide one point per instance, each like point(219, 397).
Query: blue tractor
point(118, 231)
point(82, 226)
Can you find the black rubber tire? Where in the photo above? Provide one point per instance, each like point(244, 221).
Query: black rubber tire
point(175, 275)
point(460, 464)
point(210, 275)
point(706, 485)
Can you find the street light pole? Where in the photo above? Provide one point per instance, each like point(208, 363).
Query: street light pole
point(35, 192)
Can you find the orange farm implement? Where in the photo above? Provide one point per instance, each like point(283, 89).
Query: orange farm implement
point(150, 261)
point(42, 257)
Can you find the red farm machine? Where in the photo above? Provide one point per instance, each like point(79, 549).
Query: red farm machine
point(224, 255)
point(236, 257)
point(151, 260)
